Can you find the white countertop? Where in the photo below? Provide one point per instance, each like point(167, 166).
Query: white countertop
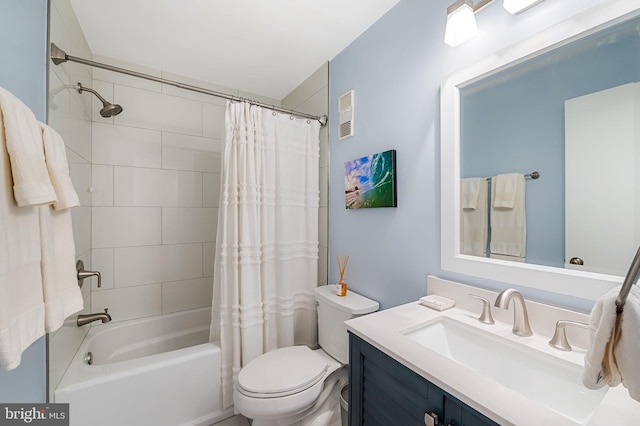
point(501, 404)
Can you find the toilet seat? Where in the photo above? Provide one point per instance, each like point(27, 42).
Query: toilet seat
point(282, 372)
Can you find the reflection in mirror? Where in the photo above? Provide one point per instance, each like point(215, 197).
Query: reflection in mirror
point(572, 114)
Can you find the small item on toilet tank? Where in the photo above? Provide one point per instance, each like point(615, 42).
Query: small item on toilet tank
point(341, 287)
point(439, 303)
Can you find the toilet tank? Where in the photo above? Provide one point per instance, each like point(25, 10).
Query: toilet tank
point(333, 311)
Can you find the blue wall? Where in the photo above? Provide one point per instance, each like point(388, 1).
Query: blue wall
point(23, 49)
point(396, 68)
point(516, 124)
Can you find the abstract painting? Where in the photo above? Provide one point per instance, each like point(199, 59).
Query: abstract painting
point(371, 181)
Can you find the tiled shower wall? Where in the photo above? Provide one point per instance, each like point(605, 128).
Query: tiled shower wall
point(155, 190)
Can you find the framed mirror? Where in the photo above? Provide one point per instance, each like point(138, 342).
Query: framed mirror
point(540, 106)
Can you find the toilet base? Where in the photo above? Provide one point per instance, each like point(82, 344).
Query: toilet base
point(333, 384)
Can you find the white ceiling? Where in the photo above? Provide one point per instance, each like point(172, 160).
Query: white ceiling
point(267, 47)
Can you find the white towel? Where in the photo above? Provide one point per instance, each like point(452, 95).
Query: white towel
point(21, 303)
point(506, 189)
point(23, 139)
point(599, 367)
point(509, 225)
point(474, 221)
point(62, 295)
point(470, 192)
point(58, 167)
point(627, 350)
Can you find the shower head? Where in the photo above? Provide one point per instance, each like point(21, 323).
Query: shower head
point(108, 109)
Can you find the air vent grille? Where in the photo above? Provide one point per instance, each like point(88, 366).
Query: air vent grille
point(345, 108)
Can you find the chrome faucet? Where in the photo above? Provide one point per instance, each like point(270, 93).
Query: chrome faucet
point(84, 319)
point(520, 316)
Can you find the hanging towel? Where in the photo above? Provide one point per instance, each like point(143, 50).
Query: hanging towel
point(58, 168)
point(62, 295)
point(599, 366)
point(470, 192)
point(627, 348)
point(21, 303)
point(474, 219)
point(508, 225)
point(23, 139)
point(506, 189)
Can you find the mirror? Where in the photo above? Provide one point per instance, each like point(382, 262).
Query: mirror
point(533, 108)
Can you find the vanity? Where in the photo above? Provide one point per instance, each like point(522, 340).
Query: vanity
point(411, 363)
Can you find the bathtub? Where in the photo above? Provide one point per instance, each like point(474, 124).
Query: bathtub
point(153, 371)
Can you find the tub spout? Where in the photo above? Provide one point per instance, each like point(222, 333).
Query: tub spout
point(86, 319)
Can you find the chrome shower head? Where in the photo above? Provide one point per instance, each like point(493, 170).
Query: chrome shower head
point(108, 109)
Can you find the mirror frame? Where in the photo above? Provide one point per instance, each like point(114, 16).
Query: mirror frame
point(585, 285)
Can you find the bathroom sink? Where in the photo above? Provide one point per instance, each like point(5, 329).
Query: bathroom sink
point(551, 381)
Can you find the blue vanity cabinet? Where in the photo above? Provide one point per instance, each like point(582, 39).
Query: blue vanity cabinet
point(384, 392)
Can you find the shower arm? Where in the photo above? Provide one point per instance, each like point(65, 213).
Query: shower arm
point(81, 89)
point(59, 56)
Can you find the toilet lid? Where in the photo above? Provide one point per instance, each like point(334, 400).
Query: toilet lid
point(282, 372)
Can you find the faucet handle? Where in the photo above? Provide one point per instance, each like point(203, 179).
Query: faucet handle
point(485, 317)
point(559, 339)
point(82, 274)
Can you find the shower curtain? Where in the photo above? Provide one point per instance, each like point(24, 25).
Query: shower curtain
point(267, 239)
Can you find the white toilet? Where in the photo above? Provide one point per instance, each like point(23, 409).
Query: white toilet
point(283, 386)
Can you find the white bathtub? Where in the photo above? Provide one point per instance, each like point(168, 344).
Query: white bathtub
point(153, 371)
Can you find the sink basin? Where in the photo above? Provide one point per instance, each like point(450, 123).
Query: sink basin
point(551, 381)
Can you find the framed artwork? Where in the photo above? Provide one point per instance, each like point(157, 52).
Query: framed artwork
point(371, 181)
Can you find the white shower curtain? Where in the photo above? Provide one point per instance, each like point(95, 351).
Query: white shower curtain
point(267, 240)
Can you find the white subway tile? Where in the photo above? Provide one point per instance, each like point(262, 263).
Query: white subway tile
point(129, 302)
point(324, 187)
point(196, 96)
point(102, 260)
point(211, 189)
point(154, 264)
point(182, 152)
point(323, 226)
point(126, 146)
point(123, 79)
point(80, 174)
point(126, 226)
point(183, 295)
point(188, 225)
point(102, 184)
point(322, 266)
point(190, 189)
point(208, 257)
point(145, 187)
point(152, 110)
point(81, 223)
point(213, 121)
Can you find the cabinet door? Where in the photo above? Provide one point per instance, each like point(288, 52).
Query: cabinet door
point(384, 392)
point(456, 413)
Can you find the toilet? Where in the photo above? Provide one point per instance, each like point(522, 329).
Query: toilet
point(282, 387)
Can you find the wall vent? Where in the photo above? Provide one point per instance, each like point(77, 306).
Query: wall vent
point(345, 107)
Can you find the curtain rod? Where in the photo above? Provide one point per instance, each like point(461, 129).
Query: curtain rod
point(59, 56)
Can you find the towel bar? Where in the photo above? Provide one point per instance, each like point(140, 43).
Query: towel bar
point(630, 279)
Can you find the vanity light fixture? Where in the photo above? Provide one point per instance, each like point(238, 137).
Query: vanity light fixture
point(461, 21)
point(519, 6)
